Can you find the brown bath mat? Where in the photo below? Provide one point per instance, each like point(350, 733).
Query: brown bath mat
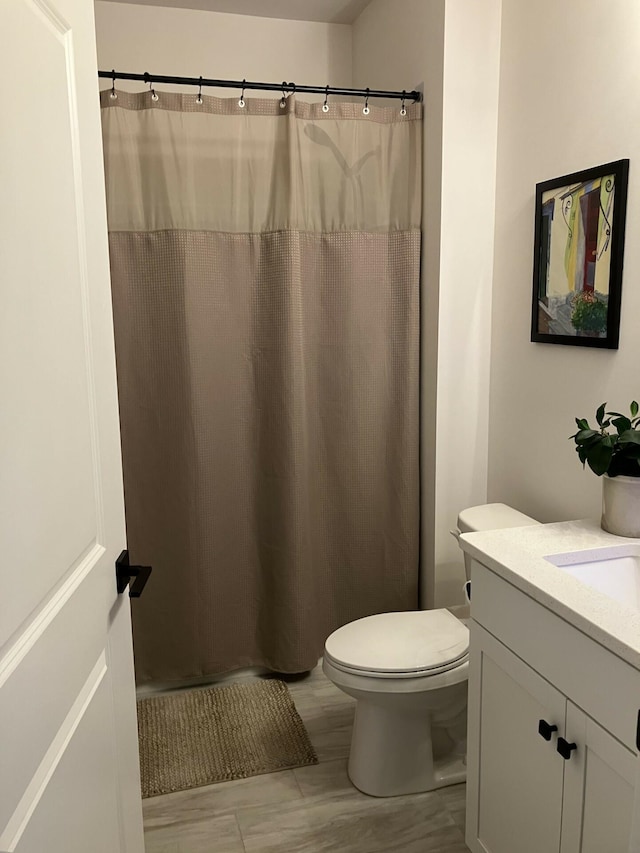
point(198, 737)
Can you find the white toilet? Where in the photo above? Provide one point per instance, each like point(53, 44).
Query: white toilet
point(408, 671)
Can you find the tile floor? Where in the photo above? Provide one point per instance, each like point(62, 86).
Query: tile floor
point(310, 809)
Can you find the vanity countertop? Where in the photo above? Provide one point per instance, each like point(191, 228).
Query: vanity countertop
point(517, 555)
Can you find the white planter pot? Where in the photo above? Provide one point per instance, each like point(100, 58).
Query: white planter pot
point(621, 505)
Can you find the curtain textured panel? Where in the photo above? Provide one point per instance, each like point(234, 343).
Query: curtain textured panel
point(265, 269)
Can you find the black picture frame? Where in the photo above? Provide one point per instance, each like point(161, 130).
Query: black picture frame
point(584, 252)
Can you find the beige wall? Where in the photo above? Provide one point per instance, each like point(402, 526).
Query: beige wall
point(569, 99)
point(189, 42)
point(451, 47)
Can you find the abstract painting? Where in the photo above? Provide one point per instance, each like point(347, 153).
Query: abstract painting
point(578, 255)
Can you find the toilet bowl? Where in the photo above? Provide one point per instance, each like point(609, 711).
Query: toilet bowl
point(408, 672)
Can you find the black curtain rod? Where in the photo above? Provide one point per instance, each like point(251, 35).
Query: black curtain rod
point(268, 87)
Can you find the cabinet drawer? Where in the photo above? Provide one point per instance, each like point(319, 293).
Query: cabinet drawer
point(595, 679)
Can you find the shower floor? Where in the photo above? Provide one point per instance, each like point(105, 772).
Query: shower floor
point(310, 809)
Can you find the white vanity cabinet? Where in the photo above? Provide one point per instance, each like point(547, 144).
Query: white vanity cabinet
point(552, 730)
point(599, 784)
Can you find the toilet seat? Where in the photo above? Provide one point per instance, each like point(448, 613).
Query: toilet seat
point(406, 644)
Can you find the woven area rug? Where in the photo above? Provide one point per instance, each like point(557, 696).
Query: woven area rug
point(198, 737)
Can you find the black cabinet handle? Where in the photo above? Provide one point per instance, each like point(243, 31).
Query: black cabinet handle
point(124, 573)
point(546, 730)
point(565, 748)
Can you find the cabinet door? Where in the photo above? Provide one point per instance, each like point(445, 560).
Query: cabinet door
point(515, 777)
point(599, 784)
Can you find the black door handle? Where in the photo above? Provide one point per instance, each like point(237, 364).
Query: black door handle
point(565, 748)
point(124, 573)
point(546, 730)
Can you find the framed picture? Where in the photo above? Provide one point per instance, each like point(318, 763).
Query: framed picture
point(578, 255)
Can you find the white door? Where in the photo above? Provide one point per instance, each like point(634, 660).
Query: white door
point(599, 787)
point(69, 778)
point(515, 776)
point(634, 841)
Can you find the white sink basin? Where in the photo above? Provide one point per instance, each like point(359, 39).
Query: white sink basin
point(614, 571)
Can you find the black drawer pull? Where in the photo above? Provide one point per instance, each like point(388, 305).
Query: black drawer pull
point(565, 748)
point(546, 730)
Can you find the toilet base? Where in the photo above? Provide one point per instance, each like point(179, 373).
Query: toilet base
point(392, 753)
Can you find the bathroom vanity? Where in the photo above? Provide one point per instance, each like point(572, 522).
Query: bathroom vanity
point(554, 691)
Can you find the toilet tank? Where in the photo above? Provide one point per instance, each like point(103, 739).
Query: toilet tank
point(489, 517)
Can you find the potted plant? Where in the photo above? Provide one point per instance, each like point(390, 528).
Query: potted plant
point(589, 313)
point(612, 451)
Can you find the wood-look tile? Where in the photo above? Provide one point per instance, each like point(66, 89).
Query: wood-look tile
point(329, 727)
point(327, 780)
point(330, 689)
point(317, 687)
point(418, 824)
point(312, 809)
point(454, 799)
point(219, 835)
point(308, 704)
point(224, 798)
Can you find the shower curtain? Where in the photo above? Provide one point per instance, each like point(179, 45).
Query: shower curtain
point(265, 274)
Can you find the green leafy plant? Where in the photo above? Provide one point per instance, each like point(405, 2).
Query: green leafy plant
point(606, 451)
point(589, 312)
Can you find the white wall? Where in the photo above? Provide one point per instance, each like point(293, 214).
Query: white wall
point(470, 129)
point(187, 42)
point(569, 99)
point(400, 45)
point(452, 47)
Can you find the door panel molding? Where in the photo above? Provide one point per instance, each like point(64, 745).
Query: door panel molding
point(52, 17)
point(28, 634)
point(65, 34)
point(17, 823)
point(37, 698)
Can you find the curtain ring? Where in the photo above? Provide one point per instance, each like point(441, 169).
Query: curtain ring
point(241, 102)
point(148, 80)
point(403, 109)
point(114, 94)
point(366, 109)
point(325, 106)
point(283, 99)
point(199, 98)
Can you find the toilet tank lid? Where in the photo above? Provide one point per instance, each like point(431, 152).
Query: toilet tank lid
point(492, 517)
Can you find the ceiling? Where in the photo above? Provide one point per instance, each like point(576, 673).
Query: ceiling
point(329, 11)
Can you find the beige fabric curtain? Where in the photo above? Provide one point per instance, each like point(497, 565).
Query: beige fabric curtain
point(265, 270)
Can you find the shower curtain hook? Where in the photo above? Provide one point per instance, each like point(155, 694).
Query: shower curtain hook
point(283, 99)
point(403, 109)
point(241, 101)
point(148, 80)
point(366, 109)
point(325, 106)
point(199, 98)
point(114, 94)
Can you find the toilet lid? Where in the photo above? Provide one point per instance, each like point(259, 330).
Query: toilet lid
point(412, 642)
